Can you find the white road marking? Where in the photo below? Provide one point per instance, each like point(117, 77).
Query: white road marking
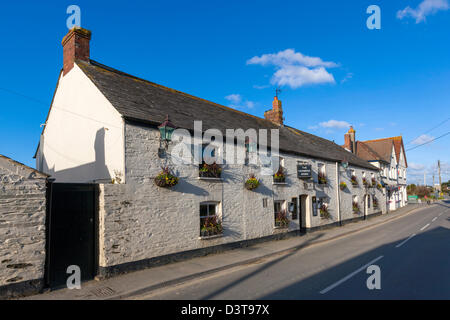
point(424, 227)
point(404, 241)
point(434, 219)
point(334, 285)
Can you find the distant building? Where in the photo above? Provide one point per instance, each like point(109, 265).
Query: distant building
point(389, 155)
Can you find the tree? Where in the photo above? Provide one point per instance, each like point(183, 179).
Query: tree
point(411, 189)
point(422, 191)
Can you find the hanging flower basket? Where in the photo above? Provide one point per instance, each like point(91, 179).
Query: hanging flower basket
point(210, 170)
point(379, 186)
point(165, 179)
point(251, 183)
point(342, 185)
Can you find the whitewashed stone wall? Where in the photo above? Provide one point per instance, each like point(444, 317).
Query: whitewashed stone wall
point(139, 220)
point(22, 223)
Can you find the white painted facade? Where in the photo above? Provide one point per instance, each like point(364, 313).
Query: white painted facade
point(82, 140)
point(86, 140)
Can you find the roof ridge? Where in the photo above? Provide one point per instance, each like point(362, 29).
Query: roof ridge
point(389, 138)
point(100, 65)
point(23, 165)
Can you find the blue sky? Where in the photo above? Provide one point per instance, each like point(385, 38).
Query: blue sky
point(329, 65)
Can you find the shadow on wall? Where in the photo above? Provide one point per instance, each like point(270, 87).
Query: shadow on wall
point(416, 270)
point(89, 172)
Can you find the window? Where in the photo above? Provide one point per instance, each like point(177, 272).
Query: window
point(355, 204)
point(264, 202)
point(280, 216)
point(210, 222)
point(294, 208)
point(321, 174)
point(280, 175)
point(353, 178)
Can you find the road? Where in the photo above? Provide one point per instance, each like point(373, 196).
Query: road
point(413, 254)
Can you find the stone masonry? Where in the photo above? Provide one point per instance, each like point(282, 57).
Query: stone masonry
point(22, 228)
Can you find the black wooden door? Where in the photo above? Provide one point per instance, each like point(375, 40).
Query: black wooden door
point(71, 231)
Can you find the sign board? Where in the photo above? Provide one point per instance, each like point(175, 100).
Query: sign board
point(413, 197)
point(304, 171)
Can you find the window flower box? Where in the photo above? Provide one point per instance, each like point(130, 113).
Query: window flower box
point(322, 179)
point(280, 176)
point(356, 208)
point(281, 220)
point(210, 171)
point(354, 181)
point(165, 179)
point(342, 186)
point(252, 182)
point(324, 214)
point(211, 227)
point(375, 202)
point(374, 182)
point(365, 182)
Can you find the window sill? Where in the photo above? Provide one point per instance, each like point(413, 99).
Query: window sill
point(211, 237)
point(209, 179)
point(276, 228)
point(279, 183)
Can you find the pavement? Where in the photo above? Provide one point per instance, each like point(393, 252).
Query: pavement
point(177, 280)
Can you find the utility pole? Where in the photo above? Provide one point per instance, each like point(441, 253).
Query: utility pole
point(439, 170)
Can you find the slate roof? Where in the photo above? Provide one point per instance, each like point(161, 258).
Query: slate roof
point(141, 100)
point(382, 148)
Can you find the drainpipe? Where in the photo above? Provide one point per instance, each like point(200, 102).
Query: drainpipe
point(338, 193)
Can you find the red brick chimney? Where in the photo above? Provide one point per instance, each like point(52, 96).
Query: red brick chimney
point(276, 114)
point(350, 140)
point(75, 47)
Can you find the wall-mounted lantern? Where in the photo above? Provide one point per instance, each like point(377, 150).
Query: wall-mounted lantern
point(166, 129)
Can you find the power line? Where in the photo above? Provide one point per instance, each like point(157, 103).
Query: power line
point(429, 141)
point(440, 124)
point(24, 96)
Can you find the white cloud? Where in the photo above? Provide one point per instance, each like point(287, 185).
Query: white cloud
point(297, 76)
point(236, 102)
point(422, 139)
point(335, 124)
point(424, 9)
point(234, 98)
point(313, 127)
point(290, 57)
point(295, 69)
